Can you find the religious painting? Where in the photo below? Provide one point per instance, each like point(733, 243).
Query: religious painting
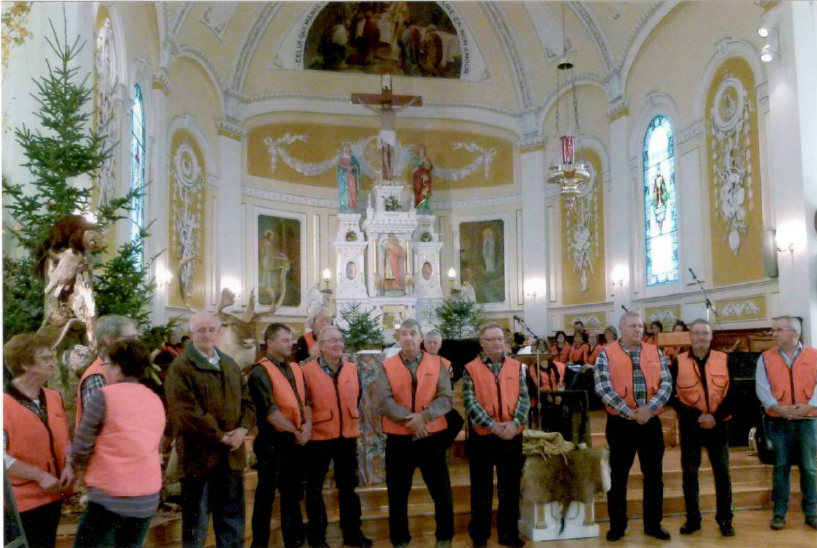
point(482, 259)
point(279, 260)
point(392, 261)
point(393, 316)
point(405, 38)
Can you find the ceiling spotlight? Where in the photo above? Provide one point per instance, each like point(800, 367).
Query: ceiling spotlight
point(763, 32)
point(766, 54)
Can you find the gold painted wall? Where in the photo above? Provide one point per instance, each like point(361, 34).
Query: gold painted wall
point(197, 209)
point(667, 315)
point(592, 211)
point(593, 321)
point(744, 264)
point(742, 309)
point(323, 141)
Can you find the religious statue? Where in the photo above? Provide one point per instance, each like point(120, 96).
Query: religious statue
point(660, 195)
point(348, 178)
point(421, 178)
point(394, 271)
point(387, 105)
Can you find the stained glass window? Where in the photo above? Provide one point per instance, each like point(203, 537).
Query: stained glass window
point(660, 204)
point(137, 170)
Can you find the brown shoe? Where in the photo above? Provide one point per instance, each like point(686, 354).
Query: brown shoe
point(778, 523)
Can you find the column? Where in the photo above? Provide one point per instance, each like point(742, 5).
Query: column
point(228, 231)
point(792, 142)
point(158, 210)
point(534, 238)
point(619, 212)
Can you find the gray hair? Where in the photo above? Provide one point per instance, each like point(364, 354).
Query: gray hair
point(490, 325)
point(329, 328)
point(411, 322)
point(700, 321)
point(793, 321)
point(111, 327)
point(203, 315)
point(434, 333)
point(322, 311)
point(628, 314)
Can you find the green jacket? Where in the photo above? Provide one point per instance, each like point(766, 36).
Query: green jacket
point(204, 404)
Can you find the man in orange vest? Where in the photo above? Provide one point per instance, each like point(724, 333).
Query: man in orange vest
point(634, 383)
point(278, 390)
point(109, 330)
point(415, 392)
point(497, 403)
point(701, 399)
point(332, 407)
point(791, 422)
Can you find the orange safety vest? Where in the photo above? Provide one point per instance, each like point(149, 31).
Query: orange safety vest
point(591, 359)
point(415, 396)
point(309, 337)
point(689, 387)
point(126, 460)
point(497, 394)
point(621, 373)
point(35, 443)
point(548, 380)
point(577, 355)
point(800, 379)
point(563, 354)
point(96, 368)
point(282, 393)
point(335, 411)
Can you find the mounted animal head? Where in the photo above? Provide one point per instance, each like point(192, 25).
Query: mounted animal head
point(238, 338)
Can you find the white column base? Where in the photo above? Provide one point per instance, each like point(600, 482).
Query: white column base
point(543, 521)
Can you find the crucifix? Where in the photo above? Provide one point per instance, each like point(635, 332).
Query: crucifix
point(386, 106)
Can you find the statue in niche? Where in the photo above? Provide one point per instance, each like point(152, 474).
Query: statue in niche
point(348, 179)
point(394, 269)
point(488, 250)
point(421, 178)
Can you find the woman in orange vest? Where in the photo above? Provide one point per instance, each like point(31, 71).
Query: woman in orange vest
point(561, 348)
point(35, 438)
point(307, 344)
point(117, 444)
point(332, 403)
point(610, 335)
point(593, 348)
point(651, 337)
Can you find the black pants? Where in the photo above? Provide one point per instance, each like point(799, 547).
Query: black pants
point(343, 452)
point(626, 438)
point(40, 524)
point(485, 453)
point(454, 422)
point(716, 442)
point(280, 465)
point(403, 456)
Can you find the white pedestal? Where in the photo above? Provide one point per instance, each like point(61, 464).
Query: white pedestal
point(544, 521)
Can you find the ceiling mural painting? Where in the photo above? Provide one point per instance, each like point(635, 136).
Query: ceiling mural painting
point(421, 39)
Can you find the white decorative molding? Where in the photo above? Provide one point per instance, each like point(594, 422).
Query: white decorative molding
point(266, 12)
point(198, 54)
point(617, 109)
point(666, 317)
point(549, 30)
point(107, 99)
point(188, 189)
point(724, 49)
point(692, 131)
point(739, 309)
point(596, 33)
point(648, 21)
point(232, 131)
point(217, 16)
point(524, 90)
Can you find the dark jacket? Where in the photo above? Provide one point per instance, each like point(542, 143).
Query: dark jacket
point(205, 403)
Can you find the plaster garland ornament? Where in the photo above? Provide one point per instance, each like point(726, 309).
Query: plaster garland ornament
point(187, 214)
point(582, 229)
point(403, 155)
point(730, 139)
point(106, 106)
point(736, 310)
point(588, 321)
point(666, 317)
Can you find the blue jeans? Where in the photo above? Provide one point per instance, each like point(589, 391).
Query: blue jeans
point(794, 442)
point(222, 493)
point(103, 528)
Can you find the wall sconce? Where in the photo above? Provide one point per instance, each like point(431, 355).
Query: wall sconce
point(163, 276)
point(618, 276)
point(327, 277)
point(790, 236)
point(452, 274)
point(772, 47)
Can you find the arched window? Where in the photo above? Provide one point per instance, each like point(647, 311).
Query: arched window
point(137, 170)
point(660, 204)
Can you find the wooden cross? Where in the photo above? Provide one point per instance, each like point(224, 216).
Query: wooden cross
point(385, 97)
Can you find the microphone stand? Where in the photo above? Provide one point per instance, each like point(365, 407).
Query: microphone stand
point(708, 303)
point(536, 342)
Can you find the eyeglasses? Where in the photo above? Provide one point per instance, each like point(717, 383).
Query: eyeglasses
point(779, 329)
point(333, 341)
point(495, 339)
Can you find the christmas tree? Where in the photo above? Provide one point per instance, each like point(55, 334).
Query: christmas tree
point(363, 331)
point(63, 149)
point(459, 318)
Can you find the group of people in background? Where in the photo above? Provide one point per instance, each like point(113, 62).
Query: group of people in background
point(307, 411)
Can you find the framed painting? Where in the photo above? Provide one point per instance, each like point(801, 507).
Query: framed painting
point(279, 259)
point(481, 245)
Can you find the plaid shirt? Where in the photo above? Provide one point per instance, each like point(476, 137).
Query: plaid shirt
point(476, 413)
point(604, 386)
point(91, 384)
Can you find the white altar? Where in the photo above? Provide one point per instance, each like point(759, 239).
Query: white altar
point(389, 259)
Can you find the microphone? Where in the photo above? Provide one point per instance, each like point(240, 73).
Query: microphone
point(624, 308)
point(694, 277)
point(520, 320)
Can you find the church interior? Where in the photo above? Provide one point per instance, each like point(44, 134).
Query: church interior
point(545, 162)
